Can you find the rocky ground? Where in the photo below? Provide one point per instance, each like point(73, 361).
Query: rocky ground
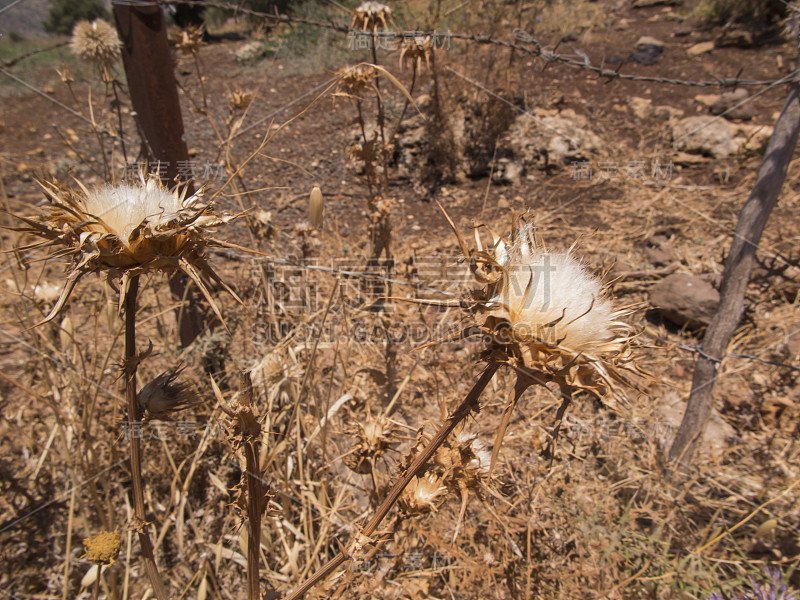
point(648, 177)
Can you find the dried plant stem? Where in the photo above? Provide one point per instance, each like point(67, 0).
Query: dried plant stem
point(118, 106)
point(469, 404)
point(135, 416)
point(251, 435)
point(96, 593)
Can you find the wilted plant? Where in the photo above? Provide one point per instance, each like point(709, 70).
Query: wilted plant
point(415, 50)
point(371, 16)
point(165, 395)
point(515, 319)
point(188, 40)
point(125, 231)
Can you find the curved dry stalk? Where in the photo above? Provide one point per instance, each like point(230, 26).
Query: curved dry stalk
point(469, 404)
point(130, 365)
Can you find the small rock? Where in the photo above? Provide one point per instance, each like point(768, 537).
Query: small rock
point(734, 105)
point(641, 107)
point(250, 52)
point(647, 55)
point(646, 40)
point(658, 257)
point(704, 135)
point(715, 435)
point(507, 171)
point(667, 113)
point(707, 100)
point(701, 48)
point(686, 300)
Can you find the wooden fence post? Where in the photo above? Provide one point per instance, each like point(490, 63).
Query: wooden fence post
point(150, 73)
point(736, 276)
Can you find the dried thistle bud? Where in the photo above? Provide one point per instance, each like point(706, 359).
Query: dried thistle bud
point(374, 435)
point(414, 50)
point(422, 493)
point(188, 40)
point(65, 74)
point(316, 207)
point(475, 458)
point(66, 334)
point(164, 395)
point(355, 79)
point(239, 99)
point(103, 548)
point(371, 16)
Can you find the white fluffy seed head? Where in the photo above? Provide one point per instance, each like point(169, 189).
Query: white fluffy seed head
point(95, 41)
point(549, 297)
point(123, 208)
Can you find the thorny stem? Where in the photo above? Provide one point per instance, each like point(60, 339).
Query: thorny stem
point(251, 433)
point(118, 106)
point(96, 593)
point(134, 417)
point(469, 404)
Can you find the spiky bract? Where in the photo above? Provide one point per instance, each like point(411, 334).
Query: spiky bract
point(126, 230)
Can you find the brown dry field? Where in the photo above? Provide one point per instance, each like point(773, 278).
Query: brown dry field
point(604, 519)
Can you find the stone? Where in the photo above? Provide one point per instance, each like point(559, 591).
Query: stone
point(250, 52)
point(716, 435)
point(707, 100)
point(543, 141)
point(647, 40)
point(701, 48)
point(647, 55)
point(734, 105)
point(641, 107)
point(686, 300)
point(704, 135)
point(667, 113)
point(507, 171)
point(658, 257)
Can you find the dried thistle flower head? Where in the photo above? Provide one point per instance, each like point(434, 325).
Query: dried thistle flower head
point(126, 230)
point(371, 16)
point(548, 316)
point(239, 99)
point(414, 50)
point(96, 42)
point(355, 79)
point(165, 395)
point(103, 548)
point(65, 74)
point(188, 40)
point(475, 458)
point(422, 493)
point(375, 435)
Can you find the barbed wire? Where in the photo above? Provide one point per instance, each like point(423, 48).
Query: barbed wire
point(520, 37)
point(697, 350)
point(34, 52)
point(371, 276)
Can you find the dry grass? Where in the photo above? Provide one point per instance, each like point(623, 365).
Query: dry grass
point(343, 402)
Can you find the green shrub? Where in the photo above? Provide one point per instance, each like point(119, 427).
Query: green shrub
point(65, 13)
point(756, 14)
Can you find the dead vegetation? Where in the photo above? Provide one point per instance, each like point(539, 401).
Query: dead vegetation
point(341, 404)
